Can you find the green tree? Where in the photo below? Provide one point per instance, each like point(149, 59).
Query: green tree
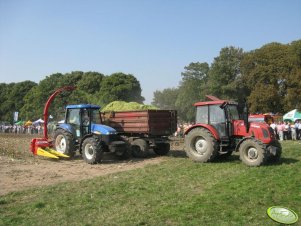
point(91, 82)
point(36, 99)
point(270, 68)
point(225, 77)
point(12, 98)
point(293, 79)
point(120, 86)
point(192, 89)
point(166, 98)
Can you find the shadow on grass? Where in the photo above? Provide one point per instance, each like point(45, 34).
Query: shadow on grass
point(286, 161)
point(177, 154)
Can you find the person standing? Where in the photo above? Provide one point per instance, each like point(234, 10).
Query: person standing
point(299, 129)
point(280, 128)
point(286, 131)
point(293, 131)
point(297, 123)
point(273, 126)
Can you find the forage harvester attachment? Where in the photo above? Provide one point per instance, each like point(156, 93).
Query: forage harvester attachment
point(43, 147)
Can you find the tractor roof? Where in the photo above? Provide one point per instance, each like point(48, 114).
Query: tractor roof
point(214, 101)
point(80, 106)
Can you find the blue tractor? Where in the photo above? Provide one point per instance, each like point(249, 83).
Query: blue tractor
point(83, 130)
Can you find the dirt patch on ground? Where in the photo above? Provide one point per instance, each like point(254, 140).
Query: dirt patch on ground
point(20, 170)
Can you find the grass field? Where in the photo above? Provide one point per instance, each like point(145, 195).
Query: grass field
point(175, 192)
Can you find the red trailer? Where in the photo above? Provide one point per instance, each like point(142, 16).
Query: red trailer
point(144, 129)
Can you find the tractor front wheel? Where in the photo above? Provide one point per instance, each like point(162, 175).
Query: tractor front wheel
point(252, 152)
point(200, 145)
point(64, 142)
point(92, 151)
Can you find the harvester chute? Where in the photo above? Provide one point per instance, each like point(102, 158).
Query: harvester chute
point(43, 146)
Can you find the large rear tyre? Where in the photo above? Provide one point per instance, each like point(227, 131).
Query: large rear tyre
point(92, 151)
point(162, 148)
point(200, 145)
point(252, 152)
point(140, 148)
point(64, 142)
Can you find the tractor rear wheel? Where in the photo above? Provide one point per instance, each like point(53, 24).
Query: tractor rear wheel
point(92, 151)
point(64, 142)
point(252, 152)
point(139, 148)
point(162, 148)
point(200, 145)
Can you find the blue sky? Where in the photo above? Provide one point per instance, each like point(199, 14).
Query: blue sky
point(153, 40)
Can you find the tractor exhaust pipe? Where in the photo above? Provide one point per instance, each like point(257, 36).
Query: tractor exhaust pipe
point(246, 115)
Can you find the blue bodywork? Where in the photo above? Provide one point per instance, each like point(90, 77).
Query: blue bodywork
point(102, 129)
point(95, 128)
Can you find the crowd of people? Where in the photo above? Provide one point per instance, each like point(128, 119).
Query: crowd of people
point(21, 129)
point(26, 129)
point(287, 130)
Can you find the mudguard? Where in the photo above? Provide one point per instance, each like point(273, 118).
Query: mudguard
point(209, 127)
point(68, 128)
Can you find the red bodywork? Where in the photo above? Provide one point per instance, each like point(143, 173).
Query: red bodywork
point(260, 131)
point(45, 142)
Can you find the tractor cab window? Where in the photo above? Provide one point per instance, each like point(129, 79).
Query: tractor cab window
point(217, 114)
point(232, 112)
point(218, 119)
point(202, 114)
point(73, 116)
point(96, 116)
point(85, 117)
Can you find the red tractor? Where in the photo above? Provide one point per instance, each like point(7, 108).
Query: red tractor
point(219, 130)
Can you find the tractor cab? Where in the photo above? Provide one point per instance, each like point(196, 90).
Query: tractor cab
point(83, 130)
point(82, 117)
point(219, 114)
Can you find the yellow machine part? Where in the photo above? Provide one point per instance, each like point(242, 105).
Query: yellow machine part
point(56, 153)
point(44, 153)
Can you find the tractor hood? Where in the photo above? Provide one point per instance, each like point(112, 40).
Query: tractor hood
point(102, 129)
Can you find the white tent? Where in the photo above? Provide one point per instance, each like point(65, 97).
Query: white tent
point(39, 121)
point(292, 115)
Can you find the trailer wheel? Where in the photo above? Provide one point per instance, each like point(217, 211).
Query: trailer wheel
point(200, 145)
point(126, 154)
point(252, 152)
point(92, 151)
point(162, 148)
point(64, 142)
point(139, 148)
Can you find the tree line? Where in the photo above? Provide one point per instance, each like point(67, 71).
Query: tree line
point(29, 98)
point(269, 78)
